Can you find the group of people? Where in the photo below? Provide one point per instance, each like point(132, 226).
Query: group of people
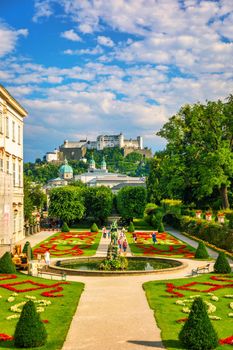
point(106, 233)
point(120, 238)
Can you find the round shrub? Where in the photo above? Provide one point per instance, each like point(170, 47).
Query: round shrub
point(6, 264)
point(30, 332)
point(131, 227)
point(201, 252)
point(65, 228)
point(198, 332)
point(94, 228)
point(161, 228)
point(27, 249)
point(221, 264)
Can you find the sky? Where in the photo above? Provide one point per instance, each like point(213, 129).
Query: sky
point(82, 68)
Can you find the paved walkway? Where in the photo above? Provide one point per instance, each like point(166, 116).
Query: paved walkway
point(113, 313)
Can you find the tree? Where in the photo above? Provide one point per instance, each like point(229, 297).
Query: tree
point(33, 197)
point(131, 202)
point(201, 252)
point(66, 203)
point(30, 332)
point(198, 332)
point(98, 202)
point(221, 264)
point(200, 142)
point(6, 264)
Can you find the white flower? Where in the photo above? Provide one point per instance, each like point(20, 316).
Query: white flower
point(12, 316)
point(0, 296)
point(215, 318)
point(194, 296)
point(11, 299)
point(210, 293)
point(40, 309)
point(214, 298)
point(43, 302)
point(230, 314)
point(231, 305)
point(186, 310)
point(228, 296)
point(16, 307)
point(180, 302)
point(210, 307)
point(14, 294)
point(32, 297)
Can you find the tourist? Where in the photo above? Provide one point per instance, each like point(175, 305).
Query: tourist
point(47, 258)
point(109, 233)
point(124, 245)
point(104, 231)
point(154, 239)
point(135, 237)
point(119, 242)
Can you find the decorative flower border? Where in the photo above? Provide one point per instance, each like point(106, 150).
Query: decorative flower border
point(86, 239)
point(170, 245)
point(5, 337)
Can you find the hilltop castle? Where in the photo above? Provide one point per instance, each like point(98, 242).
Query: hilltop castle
point(76, 150)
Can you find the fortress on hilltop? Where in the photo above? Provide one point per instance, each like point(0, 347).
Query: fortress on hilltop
point(76, 150)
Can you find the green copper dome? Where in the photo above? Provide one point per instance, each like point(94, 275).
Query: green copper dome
point(92, 162)
point(103, 163)
point(65, 169)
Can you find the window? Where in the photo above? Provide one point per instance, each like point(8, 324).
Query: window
point(13, 131)
point(19, 135)
point(1, 164)
point(1, 122)
point(20, 176)
point(8, 166)
point(14, 175)
point(7, 127)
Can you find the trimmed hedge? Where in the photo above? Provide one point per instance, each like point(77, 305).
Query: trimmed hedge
point(131, 227)
point(94, 228)
point(161, 228)
point(201, 252)
point(198, 332)
point(27, 249)
point(6, 264)
point(30, 332)
point(65, 228)
point(221, 264)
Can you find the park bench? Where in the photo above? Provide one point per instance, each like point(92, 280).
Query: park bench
point(41, 272)
point(201, 269)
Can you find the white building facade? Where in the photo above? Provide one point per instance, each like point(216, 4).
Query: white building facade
point(11, 168)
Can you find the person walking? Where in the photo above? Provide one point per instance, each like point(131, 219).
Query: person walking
point(47, 258)
point(154, 239)
point(124, 245)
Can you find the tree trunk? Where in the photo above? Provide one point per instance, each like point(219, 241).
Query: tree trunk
point(224, 197)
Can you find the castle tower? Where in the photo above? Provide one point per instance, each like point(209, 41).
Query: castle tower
point(66, 171)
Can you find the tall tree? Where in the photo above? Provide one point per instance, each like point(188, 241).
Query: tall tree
point(201, 136)
point(98, 202)
point(131, 202)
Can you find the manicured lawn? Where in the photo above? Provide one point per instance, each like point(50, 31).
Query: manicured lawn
point(167, 246)
point(68, 244)
point(64, 298)
point(163, 295)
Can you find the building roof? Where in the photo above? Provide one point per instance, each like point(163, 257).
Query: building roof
point(12, 101)
point(131, 184)
point(65, 169)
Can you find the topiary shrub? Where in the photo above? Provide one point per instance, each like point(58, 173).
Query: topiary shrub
point(221, 264)
point(198, 332)
point(65, 227)
point(161, 228)
point(30, 332)
point(6, 264)
point(27, 249)
point(131, 227)
point(94, 228)
point(201, 252)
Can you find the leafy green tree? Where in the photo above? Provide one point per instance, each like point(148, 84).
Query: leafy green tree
point(201, 252)
point(94, 227)
point(221, 264)
point(149, 212)
point(198, 332)
point(66, 203)
point(131, 202)
point(98, 202)
point(30, 332)
point(199, 149)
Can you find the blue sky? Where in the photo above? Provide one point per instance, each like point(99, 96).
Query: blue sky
point(86, 67)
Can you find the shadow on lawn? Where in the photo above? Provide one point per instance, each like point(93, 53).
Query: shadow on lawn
point(170, 343)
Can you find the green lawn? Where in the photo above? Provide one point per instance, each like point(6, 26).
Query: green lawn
point(59, 313)
point(69, 244)
point(167, 246)
point(167, 312)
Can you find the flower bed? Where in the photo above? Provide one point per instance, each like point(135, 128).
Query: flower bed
point(166, 245)
point(68, 244)
point(171, 301)
point(56, 302)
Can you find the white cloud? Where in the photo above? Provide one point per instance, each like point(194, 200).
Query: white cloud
point(105, 41)
point(9, 38)
point(71, 35)
point(43, 9)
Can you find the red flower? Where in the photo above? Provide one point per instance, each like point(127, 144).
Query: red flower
point(228, 341)
point(5, 337)
point(181, 320)
point(45, 321)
